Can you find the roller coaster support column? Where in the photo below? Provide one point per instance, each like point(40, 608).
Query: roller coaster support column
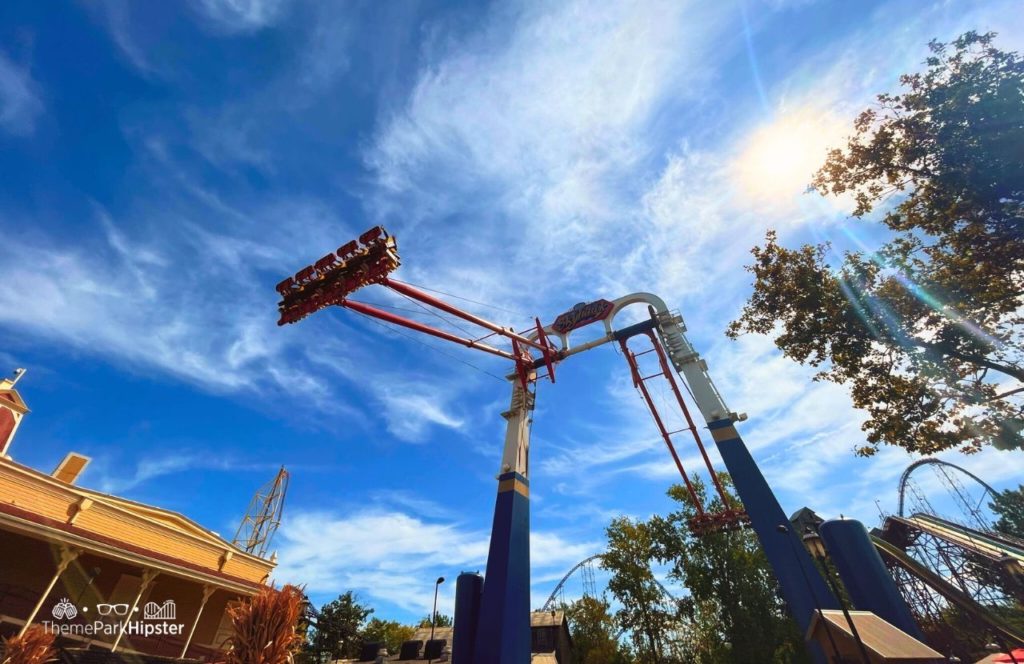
point(503, 628)
point(802, 587)
point(799, 580)
point(864, 575)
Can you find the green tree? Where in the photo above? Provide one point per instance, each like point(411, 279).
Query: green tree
point(1009, 505)
point(339, 626)
point(926, 331)
point(628, 558)
point(441, 621)
point(389, 632)
point(734, 612)
point(307, 621)
point(594, 632)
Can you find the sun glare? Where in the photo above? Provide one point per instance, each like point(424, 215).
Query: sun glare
point(780, 159)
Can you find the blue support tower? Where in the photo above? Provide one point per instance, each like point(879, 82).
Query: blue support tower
point(468, 588)
point(802, 587)
point(864, 575)
point(503, 629)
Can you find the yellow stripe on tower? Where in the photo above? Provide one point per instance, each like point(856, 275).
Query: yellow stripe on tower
point(512, 484)
point(724, 433)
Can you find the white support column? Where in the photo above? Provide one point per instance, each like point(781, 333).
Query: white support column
point(147, 580)
point(516, 455)
point(67, 555)
point(207, 591)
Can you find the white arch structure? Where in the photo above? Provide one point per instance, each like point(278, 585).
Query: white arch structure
point(671, 331)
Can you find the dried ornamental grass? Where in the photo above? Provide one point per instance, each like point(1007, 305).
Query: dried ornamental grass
point(265, 627)
point(35, 646)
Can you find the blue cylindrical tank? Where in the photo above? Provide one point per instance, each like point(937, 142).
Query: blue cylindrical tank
point(867, 581)
point(468, 589)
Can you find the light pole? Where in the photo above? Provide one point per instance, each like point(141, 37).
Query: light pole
point(817, 550)
point(88, 582)
point(784, 530)
point(433, 615)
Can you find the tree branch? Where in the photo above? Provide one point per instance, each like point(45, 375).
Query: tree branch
point(974, 359)
point(1005, 394)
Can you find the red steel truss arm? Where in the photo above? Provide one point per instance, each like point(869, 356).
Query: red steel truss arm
point(330, 280)
point(369, 310)
point(415, 293)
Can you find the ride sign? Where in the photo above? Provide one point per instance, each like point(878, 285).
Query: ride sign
point(582, 314)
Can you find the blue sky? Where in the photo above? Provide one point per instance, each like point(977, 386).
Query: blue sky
point(164, 165)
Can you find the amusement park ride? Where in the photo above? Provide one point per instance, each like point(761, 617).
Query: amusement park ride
point(492, 624)
point(263, 517)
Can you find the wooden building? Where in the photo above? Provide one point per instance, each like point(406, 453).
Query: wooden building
point(108, 573)
point(549, 637)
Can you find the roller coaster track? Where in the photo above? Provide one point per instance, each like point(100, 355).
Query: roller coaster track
point(987, 545)
point(550, 603)
point(952, 594)
point(992, 551)
point(934, 462)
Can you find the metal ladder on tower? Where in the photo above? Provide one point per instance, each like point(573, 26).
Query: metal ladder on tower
point(729, 515)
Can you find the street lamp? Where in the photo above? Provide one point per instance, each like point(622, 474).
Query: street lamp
point(433, 616)
point(816, 547)
point(784, 530)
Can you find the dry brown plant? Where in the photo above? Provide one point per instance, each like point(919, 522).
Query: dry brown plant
point(35, 646)
point(265, 627)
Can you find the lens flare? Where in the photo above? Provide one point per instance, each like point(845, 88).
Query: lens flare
point(779, 159)
point(917, 291)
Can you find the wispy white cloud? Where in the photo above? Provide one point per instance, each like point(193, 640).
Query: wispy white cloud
point(8, 363)
point(227, 138)
point(411, 408)
point(234, 16)
point(537, 126)
point(552, 551)
point(567, 178)
point(392, 556)
point(117, 16)
point(108, 479)
point(413, 503)
point(327, 56)
point(610, 451)
point(20, 103)
point(198, 305)
point(386, 554)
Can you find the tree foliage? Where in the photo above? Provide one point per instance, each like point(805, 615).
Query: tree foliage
point(441, 620)
point(733, 610)
point(594, 632)
point(628, 558)
point(926, 331)
point(339, 627)
point(1009, 505)
point(389, 632)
